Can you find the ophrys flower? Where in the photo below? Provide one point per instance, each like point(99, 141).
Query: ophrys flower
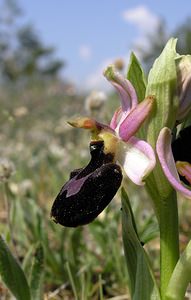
point(90, 189)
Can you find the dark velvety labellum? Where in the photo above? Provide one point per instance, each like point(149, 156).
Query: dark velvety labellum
point(88, 191)
point(181, 148)
point(75, 172)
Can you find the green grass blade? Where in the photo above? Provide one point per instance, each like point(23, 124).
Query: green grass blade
point(12, 274)
point(37, 272)
point(142, 282)
point(72, 281)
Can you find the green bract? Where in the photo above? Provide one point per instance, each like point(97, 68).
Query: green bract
point(162, 82)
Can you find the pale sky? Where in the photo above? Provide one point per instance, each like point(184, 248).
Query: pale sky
point(90, 34)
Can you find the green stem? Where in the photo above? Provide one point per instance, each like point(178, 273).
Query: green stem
point(70, 275)
point(167, 214)
point(169, 239)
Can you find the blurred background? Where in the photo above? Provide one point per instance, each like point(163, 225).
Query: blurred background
point(52, 56)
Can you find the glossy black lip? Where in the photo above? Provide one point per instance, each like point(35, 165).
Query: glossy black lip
point(89, 190)
point(181, 148)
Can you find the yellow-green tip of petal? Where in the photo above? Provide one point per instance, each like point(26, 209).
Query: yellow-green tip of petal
point(83, 122)
point(109, 72)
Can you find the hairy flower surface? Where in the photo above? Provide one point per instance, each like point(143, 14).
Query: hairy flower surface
point(175, 159)
point(91, 189)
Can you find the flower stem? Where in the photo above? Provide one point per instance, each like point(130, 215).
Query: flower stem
point(169, 239)
point(7, 207)
point(166, 211)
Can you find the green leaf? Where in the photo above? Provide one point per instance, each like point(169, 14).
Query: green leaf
point(162, 84)
point(12, 274)
point(149, 230)
point(37, 272)
point(181, 276)
point(162, 81)
point(136, 75)
point(142, 282)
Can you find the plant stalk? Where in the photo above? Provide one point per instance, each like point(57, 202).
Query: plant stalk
point(169, 240)
point(166, 211)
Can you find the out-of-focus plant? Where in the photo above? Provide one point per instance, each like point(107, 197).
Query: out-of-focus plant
point(35, 137)
point(155, 43)
point(94, 102)
point(14, 277)
point(157, 40)
point(183, 33)
point(23, 56)
point(88, 262)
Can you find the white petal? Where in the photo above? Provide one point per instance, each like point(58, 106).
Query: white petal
point(137, 159)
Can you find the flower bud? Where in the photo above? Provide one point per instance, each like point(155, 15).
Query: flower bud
point(7, 168)
point(95, 101)
point(119, 64)
point(183, 64)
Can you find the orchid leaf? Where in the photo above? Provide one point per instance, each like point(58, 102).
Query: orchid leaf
point(37, 272)
point(142, 282)
point(12, 274)
point(136, 76)
point(149, 230)
point(181, 276)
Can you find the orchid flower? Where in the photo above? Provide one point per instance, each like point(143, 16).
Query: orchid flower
point(175, 159)
point(90, 189)
point(135, 156)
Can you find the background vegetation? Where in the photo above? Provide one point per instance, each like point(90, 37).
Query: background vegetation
point(37, 152)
